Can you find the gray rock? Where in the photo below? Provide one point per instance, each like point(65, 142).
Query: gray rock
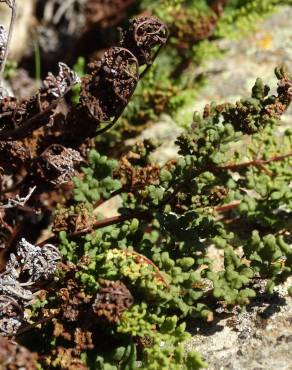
point(258, 338)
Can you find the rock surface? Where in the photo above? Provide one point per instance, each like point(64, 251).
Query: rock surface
point(259, 338)
point(232, 76)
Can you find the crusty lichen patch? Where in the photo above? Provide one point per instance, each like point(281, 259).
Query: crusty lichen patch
point(260, 337)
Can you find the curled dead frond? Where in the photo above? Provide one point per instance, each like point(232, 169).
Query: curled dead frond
point(144, 37)
point(35, 262)
point(19, 118)
point(56, 165)
point(107, 89)
point(28, 266)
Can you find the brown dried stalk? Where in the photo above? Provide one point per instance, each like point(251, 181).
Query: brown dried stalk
point(101, 224)
point(227, 207)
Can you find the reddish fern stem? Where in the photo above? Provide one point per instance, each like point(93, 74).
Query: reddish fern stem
point(227, 207)
point(255, 162)
point(99, 225)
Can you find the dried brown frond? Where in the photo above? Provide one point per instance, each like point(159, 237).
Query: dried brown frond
point(144, 36)
point(14, 356)
point(111, 300)
point(56, 165)
point(132, 176)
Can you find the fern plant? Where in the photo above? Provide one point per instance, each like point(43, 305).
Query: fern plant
point(130, 283)
point(118, 292)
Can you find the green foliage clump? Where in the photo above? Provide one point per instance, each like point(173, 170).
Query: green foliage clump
point(159, 245)
point(243, 16)
point(97, 182)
